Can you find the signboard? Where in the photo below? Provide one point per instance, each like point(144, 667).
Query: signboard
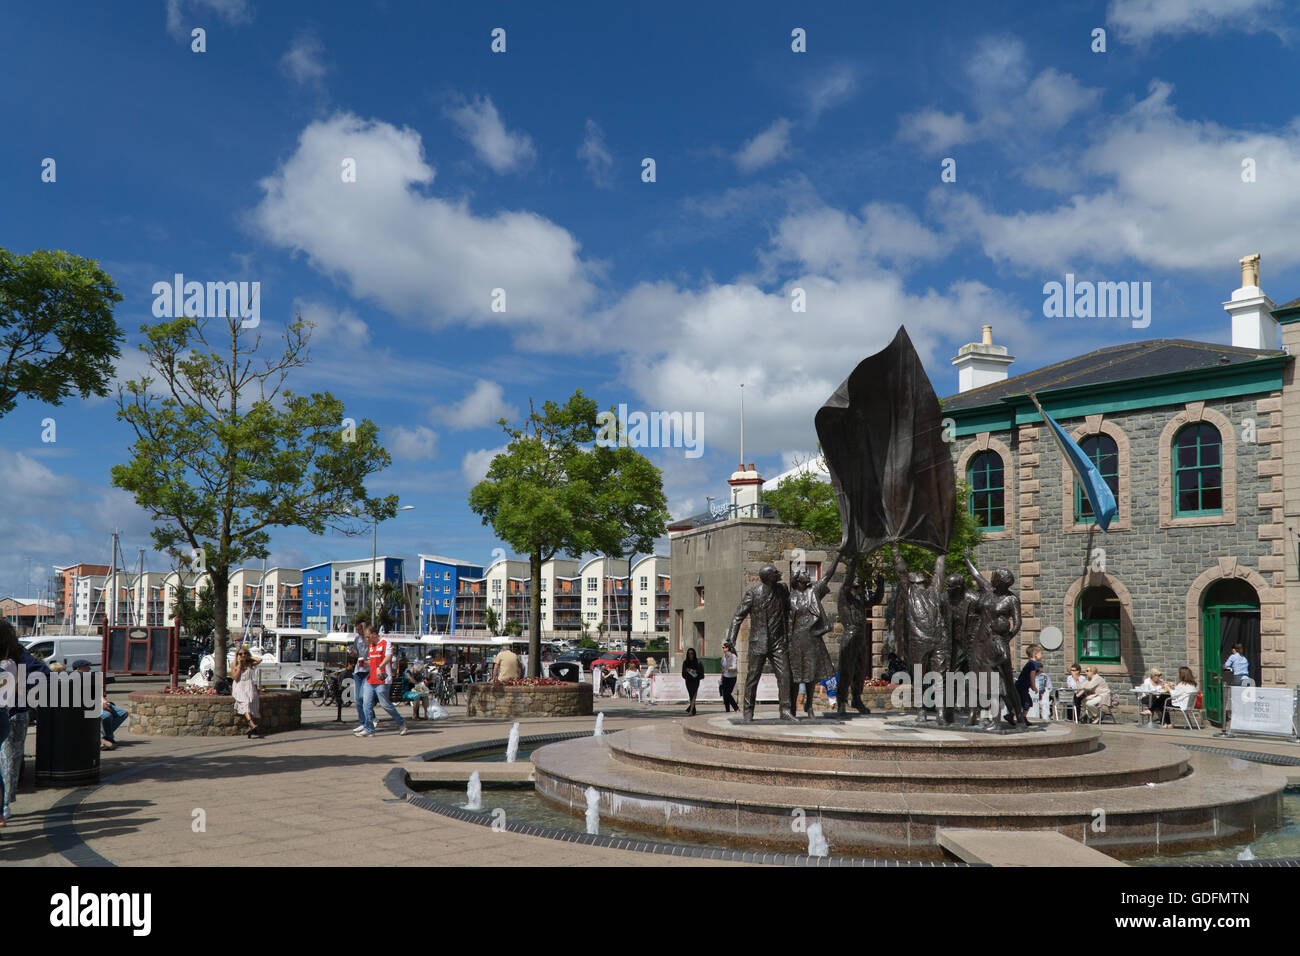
point(669, 688)
point(135, 649)
point(1263, 710)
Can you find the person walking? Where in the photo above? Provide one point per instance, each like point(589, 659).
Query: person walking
point(8, 692)
point(360, 671)
point(693, 672)
point(16, 659)
point(730, 662)
point(248, 700)
point(380, 659)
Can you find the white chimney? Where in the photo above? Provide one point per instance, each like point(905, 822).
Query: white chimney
point(981, 363)
point(746, 487)
point(1253, 325)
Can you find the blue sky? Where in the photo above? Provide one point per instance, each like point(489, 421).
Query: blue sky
point(522, 170)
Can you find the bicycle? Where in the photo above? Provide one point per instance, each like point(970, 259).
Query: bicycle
point(325, 691)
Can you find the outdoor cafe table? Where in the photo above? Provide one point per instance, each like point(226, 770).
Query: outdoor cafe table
point(1151, 720)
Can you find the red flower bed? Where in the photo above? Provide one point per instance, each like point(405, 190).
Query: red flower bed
point(529, 682)
point(193, 691)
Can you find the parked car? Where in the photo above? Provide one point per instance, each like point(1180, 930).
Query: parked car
point(613, 662)
point(65, 650)
point(583, 655)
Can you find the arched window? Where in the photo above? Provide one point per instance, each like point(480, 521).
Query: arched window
point(986, 491)
point(1097, 626)
point(1198, 471)
point(1104, 453)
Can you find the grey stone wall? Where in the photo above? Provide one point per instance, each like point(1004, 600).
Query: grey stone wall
point(1158, 566)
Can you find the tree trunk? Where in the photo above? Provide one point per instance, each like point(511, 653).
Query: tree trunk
point(535, 615)
point(220, 611)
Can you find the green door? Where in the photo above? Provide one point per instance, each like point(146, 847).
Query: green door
point(1212, 687)
point(1235, 601)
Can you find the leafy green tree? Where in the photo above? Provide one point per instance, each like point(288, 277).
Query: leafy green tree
point(224, 452)
point(57, 332)
point(390, 599)
point(808, 502)
point(513, 628)
point(196, 617)
point(491, 621)
point(553, 490)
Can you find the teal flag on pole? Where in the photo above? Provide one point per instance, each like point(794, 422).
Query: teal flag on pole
point(1094, 485)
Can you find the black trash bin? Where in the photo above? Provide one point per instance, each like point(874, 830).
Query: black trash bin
point(67, 746)
point(566, 671)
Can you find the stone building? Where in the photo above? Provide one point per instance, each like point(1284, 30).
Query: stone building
point(716, 555)
point(1200, 444)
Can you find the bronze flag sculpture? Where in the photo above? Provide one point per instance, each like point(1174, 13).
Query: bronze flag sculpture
point(881, 433)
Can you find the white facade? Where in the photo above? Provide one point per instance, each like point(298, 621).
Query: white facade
point(605, 592)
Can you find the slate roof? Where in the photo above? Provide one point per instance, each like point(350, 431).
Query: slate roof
point(1132, 360)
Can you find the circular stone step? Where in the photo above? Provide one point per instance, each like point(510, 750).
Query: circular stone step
point(881, 738)
point(1124, 762)
point(1216, 799)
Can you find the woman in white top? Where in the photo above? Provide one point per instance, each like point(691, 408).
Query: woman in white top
point(245, 691)
point(651, 669)
point(1183, 694)
point(1156, 689)
point(728, 683)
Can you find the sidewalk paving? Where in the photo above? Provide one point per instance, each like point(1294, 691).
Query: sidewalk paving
point(311, 797)
point(316, 796)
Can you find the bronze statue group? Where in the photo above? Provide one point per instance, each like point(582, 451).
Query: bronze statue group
point(940, 625)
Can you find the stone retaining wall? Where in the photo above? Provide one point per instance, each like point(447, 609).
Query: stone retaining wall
point(541, 700)
point(210, 715)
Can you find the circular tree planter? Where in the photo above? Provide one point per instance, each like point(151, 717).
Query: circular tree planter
point(210, 715)
point(529, 700)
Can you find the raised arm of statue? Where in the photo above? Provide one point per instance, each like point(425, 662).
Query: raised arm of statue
point(742, 612)
point(975, 573)
point(823, 585)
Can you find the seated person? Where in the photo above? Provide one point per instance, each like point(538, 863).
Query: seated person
point(609, 681)
point(1073, 682)
point(1183, 694)
point(416, 690)
point(1095, 692)
point(1155, 690)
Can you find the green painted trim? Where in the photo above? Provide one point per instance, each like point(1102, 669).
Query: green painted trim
point(1172, 388)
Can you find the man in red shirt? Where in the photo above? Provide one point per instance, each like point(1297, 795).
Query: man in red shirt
point(380, 654)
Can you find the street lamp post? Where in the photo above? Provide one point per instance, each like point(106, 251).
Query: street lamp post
point(374, 556)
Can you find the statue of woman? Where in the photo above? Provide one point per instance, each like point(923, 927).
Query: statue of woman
point(810, 662)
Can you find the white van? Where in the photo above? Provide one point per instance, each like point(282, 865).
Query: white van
point(66, 650)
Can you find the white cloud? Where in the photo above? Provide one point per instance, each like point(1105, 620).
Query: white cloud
point(416, 255)
point(766, 148)
point(935, 131)
point(833, 242)
point(594, 153)
point(484, 405)
point(474, 466)
point(1008, 104)
point(481, 126)
point(413, 444)
point(304, 61)
point(1140, 20)
point(1145, 164)
point(833, 87)
point(185, 15)
point(339, 327)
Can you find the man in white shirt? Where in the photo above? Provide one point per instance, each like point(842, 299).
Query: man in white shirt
point(728, 683)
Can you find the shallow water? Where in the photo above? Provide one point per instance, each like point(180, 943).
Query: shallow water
point(522, 805)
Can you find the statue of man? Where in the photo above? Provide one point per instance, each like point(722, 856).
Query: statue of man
point(809, 661)
point(854, 605)
point(922, 632)
point(996, 623)
point(767, 605)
